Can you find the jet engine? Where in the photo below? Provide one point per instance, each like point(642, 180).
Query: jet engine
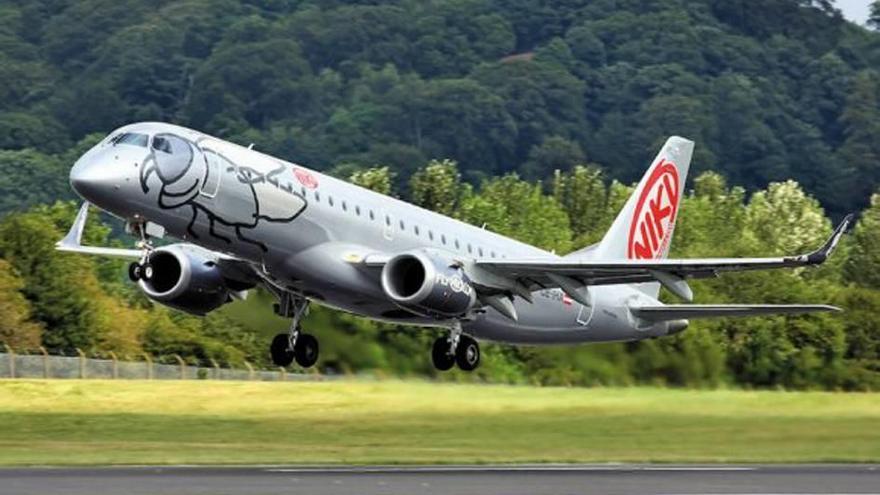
point(185, 279)
point(428, 283)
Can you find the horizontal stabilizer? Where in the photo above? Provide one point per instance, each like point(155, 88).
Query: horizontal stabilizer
point(685, 311)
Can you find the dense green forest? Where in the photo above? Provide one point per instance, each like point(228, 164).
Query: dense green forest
point(528, 115)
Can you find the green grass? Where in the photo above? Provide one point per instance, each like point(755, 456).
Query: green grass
point(123, 422)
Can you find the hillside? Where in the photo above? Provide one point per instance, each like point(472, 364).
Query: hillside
point(770, 90)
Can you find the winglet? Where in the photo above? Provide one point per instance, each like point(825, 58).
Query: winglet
point(820, 255)
point(73, 239)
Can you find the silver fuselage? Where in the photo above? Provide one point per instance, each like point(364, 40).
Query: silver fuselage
point(309, 232)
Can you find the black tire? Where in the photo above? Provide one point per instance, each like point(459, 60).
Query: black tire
point(281, 356)
point(134, 271)
point(306, 350)
point(467, 354)
point(440, 356)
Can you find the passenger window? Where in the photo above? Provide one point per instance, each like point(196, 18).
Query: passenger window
point(317, 196)
point(387, 220)
point(344, 206)
point(303, 191)
point(357, 210)
point(492, 254)
point(480, 250)
point(372, 217)
point(430, 235)
point(330, 200)
point(402, 227)
point(416, 229)
point(457, 246)
point(443, 239)
point(470, 250)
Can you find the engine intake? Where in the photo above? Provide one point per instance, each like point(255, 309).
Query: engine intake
point(185, 280)
point(427, 283)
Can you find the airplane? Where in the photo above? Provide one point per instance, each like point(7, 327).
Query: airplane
point(245, 219)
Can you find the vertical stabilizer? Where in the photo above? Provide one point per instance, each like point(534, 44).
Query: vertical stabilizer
point(643, 228)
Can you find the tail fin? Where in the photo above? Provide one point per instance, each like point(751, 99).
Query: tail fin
point(643, 228)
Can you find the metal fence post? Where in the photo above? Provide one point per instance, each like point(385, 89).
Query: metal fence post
point(216, 369)
point(149, 366)
point(45, 361)
point(11, 360)
point(115, 365)
point(182, 364)
point(82, 363)
point(250, 370)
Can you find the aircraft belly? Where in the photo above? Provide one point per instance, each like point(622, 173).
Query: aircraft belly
point(554, 319)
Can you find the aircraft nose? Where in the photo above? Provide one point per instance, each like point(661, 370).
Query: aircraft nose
point(92, 181)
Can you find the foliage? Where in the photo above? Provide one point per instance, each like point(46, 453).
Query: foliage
point(784, 89)
point(529, 118)
point(16, 328)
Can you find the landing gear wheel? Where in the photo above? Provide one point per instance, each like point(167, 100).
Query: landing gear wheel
point(443, 360)
point(467, 353)
point(134, 271)
point(147, 271)
point(306, 350)
point(281, 355)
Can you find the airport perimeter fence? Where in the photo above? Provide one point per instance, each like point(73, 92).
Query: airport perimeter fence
point(44, 365)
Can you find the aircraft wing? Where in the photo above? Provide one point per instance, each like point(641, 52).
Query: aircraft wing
point(567, 273)
point(687, 311)
point(72, 242)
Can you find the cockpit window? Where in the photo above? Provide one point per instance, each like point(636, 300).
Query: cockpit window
point(131, 138)
point(173, 156)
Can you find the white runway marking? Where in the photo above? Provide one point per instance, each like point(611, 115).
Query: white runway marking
point(496, 469)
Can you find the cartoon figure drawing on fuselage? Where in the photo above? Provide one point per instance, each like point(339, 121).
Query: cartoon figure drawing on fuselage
point(200, 178)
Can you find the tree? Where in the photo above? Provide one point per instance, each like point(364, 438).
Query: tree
point(863, 265)
point(16, 328)
point(377, 179)
point(582, 193)
point(874, 15)
point(554, 153)
point(860, 151)
point(437, 186)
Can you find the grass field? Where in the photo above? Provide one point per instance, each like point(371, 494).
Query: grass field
point(124, 422)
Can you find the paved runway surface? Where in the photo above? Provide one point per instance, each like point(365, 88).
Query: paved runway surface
point(459, 480)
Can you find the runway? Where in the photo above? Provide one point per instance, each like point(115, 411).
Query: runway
point(459, 480)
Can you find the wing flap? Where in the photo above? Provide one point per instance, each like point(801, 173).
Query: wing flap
point(688, 311)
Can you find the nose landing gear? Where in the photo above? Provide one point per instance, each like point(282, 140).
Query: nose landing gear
point(142, 269)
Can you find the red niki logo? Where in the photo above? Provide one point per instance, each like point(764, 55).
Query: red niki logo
point(305, 178)
point(654, 217)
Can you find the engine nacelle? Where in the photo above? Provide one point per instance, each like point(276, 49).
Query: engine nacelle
point(186, 280)
point(428, 283)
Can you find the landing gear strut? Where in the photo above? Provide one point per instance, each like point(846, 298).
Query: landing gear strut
point(456, 348)
point(142, 269)
point(295, 344)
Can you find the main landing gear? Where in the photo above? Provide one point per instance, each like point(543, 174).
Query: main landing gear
point(456, 348)
point(303, 347)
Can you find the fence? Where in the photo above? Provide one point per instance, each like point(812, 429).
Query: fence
point(45, 365)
